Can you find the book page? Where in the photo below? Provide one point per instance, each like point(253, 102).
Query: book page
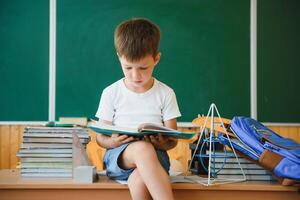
point(154, 127)
point(115, 128)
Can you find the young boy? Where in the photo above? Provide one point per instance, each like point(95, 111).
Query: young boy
point(138, 98)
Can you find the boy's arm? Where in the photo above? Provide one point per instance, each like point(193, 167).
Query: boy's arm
point(114, 141)
point(164, 142)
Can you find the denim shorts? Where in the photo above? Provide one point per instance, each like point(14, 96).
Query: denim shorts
point(114, 171)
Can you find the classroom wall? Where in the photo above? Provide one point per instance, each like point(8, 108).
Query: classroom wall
point(11, 138)
point(24, 44)
point(205, 55)
point(206, 44)
point(278, 60)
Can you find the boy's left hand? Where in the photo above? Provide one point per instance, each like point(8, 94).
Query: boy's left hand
point(161, 142)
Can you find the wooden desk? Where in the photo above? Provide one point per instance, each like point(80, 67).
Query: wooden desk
point(13, 187)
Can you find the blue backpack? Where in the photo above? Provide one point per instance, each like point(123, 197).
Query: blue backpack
point(275, 153)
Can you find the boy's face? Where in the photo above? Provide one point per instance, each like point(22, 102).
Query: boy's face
point(138, 74)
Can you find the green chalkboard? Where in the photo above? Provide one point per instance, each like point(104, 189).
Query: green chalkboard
point(205, 54)
point(205, 50)
point(278, 60)
point(24, 60)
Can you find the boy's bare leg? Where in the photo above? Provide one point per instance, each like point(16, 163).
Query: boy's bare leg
point(137, 187)
point(142, 155)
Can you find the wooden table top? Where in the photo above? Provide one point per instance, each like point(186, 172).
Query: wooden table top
point(11, 179)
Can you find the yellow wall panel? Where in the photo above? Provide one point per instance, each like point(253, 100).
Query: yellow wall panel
point(11, 138)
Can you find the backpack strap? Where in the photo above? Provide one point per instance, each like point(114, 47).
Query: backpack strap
point(269, 160)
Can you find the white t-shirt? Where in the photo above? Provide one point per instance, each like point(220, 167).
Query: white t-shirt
point(126, 108)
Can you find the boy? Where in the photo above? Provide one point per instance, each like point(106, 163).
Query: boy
point(136, 99)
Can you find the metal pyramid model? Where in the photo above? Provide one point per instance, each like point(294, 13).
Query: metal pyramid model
point(210, 140)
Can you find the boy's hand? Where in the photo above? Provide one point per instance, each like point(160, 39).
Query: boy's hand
point(117, 139)
point(161, 142)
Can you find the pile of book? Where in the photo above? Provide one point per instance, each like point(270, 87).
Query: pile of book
point(230, 169)
point(47, 151)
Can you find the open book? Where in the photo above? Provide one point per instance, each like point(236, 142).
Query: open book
point(143, 130)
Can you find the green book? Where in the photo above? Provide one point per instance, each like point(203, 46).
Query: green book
point(142, 130)
point(55, 124)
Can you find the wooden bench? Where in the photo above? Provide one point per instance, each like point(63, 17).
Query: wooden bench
point(14, 187)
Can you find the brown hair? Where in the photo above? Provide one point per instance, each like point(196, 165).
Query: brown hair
point(137, 38)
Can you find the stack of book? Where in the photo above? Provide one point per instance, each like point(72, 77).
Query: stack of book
point(47, 151)
point(230, 169)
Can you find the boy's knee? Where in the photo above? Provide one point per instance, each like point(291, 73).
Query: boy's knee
point(143, 146)
point(143, 149)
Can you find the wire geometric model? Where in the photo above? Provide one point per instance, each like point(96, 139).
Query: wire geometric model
point(210, 141)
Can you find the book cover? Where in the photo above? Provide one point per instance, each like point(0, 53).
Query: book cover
point(52, 140)
point(43, 151)
point(55, 129)
point(47, 165)
point(249, 177)
point(45, 170)
point(143, 130)
point(230, 160)
point(47, 175)
point(53, 135)
point(198, 179)
point(30, 159)
point(45, 155)
point(246, 171)
point(46, 145)
point(235, 166)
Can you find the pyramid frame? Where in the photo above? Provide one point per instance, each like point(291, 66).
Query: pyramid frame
point(211, 180)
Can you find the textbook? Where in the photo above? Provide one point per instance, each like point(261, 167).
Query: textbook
point(52, 140)
point(47, 175)
point(46, 145)
point(142, 130)
point(44, 155)
point(53, 135)
point(249, 177)
point(48, 151)
point(47, 159)
point(48, 165)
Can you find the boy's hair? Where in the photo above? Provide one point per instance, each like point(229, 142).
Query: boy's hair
point(136, 38)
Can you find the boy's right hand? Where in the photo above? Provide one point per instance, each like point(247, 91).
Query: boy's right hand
point(117, 139)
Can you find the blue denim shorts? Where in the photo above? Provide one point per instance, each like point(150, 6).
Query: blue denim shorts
point(114, 171)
